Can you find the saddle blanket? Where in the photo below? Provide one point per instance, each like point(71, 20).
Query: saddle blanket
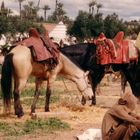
point(117, 53)
point(40, 51)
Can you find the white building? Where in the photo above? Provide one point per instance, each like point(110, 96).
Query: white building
point(57, 31)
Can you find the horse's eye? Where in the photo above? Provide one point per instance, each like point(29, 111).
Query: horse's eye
point(89, 82)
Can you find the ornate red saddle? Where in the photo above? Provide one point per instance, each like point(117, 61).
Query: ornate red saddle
point(125, 49)
point(105, 51)
point(42, 46)
point(115, 51)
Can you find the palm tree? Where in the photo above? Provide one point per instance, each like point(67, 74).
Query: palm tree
point(45, 8)
point(91, 6)
point(30, 11)
point(60, 11)
point(98, 7)
point(9, 12)
point(20, 4)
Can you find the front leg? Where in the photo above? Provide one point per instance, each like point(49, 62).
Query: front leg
point(123, 83)
point(96, 78)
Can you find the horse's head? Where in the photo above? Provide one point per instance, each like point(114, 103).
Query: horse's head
point(84, 87)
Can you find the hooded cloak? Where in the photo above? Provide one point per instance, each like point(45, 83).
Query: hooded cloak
point(119, 122)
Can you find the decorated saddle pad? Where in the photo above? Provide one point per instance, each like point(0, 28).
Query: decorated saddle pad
point(115, 51)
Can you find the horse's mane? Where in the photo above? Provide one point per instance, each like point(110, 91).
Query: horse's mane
point(81, 54)
point(75, 49)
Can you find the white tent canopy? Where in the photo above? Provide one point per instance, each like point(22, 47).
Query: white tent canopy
point(59, 32)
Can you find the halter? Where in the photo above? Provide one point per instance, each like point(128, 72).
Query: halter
point(87, 85)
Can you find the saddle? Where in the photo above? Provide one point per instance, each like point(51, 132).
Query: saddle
point(118, 39)
point(115, 51)
point(105, 51)
point(42, 48)
point(125, 49)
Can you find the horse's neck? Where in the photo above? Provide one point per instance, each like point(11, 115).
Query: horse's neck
point(69, 69)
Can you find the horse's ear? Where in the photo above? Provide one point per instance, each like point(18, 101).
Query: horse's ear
point(86, 73)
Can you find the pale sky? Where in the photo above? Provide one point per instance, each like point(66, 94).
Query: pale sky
point(126, 9)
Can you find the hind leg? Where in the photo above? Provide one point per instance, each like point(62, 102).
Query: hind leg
point(36, 95)
point(48, 94)
point(50, 82)
point(19, 85)
point(123, 83)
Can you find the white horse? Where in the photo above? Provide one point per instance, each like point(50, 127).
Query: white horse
point(20, 65)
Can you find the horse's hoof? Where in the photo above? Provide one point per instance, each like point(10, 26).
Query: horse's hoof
point(93, 104)
point(47, 110)
point(20, 115)
point(83, 101)
point(31, 113)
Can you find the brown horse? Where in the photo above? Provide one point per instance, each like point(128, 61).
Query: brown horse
point(20, 65)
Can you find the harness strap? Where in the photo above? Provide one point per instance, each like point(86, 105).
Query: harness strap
point(46, 44)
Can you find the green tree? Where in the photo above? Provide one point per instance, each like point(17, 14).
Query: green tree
point(112, 25)
point(59, 14)
point(4, 11)
point(3, 24)
point(30, 11)
point(86, 25)
point(78, 29)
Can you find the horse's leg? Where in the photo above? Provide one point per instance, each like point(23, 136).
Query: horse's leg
point(123, 83)
point(38, 83)
point(48, 94)
point(96, 79)
point(18, 86)
point(51, 79)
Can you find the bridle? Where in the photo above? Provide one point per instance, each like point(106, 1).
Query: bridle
point(86, 83)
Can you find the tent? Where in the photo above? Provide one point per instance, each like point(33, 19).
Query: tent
point(57, 31)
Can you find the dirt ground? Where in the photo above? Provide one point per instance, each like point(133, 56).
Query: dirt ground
point(83, 117)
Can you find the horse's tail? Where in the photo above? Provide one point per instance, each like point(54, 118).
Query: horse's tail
point(6, 82)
